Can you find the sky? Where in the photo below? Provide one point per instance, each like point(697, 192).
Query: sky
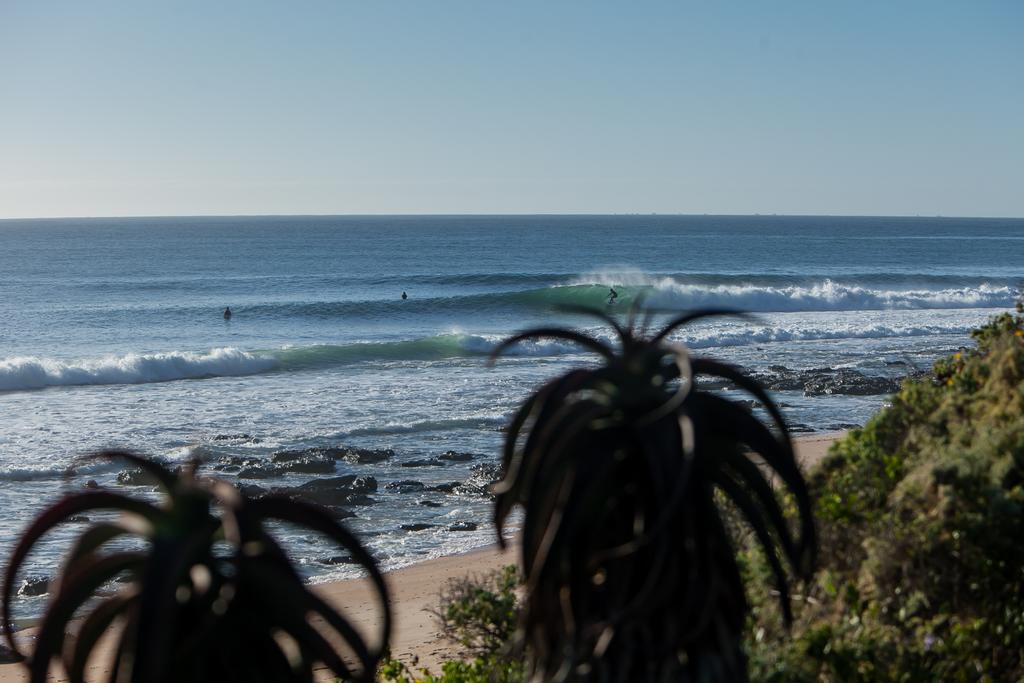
point(206, 108)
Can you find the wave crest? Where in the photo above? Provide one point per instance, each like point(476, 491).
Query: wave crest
point(30, 372)
point(824, 295)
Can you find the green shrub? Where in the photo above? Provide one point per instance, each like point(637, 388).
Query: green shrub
point(921, 517)
point(480, 613)
point(481, 669)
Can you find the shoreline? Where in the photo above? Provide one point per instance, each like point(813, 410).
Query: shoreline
point(416, 640)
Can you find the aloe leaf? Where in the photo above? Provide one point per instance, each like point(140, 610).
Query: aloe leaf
point(60, 512)
point(693, 316)
point(732, 419)
point(164, 476)
point(706, 366)
point(316, 519)
point(77, 586)
point(92, 628)
point(752, 514)
point(94, 537)
point(623, 333)
point(583, 340)
point(750, 476)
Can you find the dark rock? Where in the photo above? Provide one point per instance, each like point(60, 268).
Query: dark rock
point(826, 381)
point(463, 526)
point(356, 484)
point(34, 585)
point(78, 519)
point(337, 559)
point(366, 456)
point(361, 456)
point(310, 466)
point(333, 492)
point(417, 527)
point(799, 428)
point(429, 503)
point(292, 456)
point(232, 437)
point(479, 483)
point(135, 477)
point(262, 471)
point(851, 383)
point(452, 456)
point(425, 462)
point(252, 491)
point(842, 426)
point(92, 484)
point(7, 655)
point(405, 486)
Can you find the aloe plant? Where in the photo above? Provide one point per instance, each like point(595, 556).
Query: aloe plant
point(208, 594)
point(623, 471)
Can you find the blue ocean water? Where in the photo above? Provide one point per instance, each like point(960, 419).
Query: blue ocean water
point(111, 334)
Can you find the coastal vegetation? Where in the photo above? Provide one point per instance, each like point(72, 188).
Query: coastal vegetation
point(919, 515)
point(206, 592)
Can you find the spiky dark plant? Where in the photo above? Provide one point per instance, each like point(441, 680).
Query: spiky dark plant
point(630, 569)
point(208, 593)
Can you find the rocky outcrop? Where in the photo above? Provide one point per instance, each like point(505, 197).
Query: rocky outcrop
point(33, 586)
point(825, 381)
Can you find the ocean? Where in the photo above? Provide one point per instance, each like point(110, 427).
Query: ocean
point(112, 335)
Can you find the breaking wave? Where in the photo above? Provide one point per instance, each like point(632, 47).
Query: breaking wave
point(28, 373)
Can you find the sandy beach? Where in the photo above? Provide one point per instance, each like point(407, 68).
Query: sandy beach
point(414, 592)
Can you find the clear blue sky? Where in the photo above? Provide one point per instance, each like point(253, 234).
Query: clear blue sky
point(146, 108)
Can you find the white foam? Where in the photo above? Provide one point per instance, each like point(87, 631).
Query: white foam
point(824, 295)
point(30, 372)
point(764, 334)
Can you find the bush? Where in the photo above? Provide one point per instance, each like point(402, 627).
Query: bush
point(480, 613)
point(920, 517)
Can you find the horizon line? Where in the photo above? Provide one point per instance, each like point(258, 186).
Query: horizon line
point(524, 214)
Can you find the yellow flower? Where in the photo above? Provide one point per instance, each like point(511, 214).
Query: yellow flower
point(949, 381)
point(956, 355)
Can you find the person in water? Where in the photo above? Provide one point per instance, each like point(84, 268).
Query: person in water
point(404, 296)
point(612, 295)
point(227, 313)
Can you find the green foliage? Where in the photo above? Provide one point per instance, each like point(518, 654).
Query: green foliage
point(480, 613)
point(629, 565)
point(208, 595)
point(921, 516)
point(486, 668)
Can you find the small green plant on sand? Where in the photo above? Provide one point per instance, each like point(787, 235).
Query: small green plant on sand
point(480, 614)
